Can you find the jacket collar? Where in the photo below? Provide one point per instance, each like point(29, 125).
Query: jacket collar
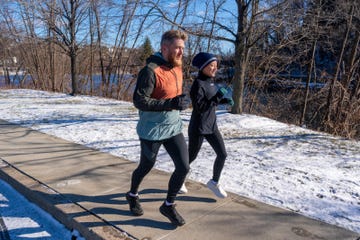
point(203, 77)
point(158, 59)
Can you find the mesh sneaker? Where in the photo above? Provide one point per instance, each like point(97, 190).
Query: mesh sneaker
point(171, 213)
point(183, 189)
point(134, 204)
point(216, 189)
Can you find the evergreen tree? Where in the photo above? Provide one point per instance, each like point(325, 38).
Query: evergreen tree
point(146, 49)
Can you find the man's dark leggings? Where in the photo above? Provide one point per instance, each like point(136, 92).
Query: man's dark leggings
point(217, 143)
point(177, 149)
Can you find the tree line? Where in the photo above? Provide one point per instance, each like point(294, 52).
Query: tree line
point(296, 61)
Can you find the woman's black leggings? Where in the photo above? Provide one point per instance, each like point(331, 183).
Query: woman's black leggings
point(177, 149)
point(216, 142)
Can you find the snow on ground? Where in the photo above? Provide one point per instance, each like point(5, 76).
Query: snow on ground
point(312, 173)
point(32, 223)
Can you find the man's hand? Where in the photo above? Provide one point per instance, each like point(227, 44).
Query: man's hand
point(179, 102)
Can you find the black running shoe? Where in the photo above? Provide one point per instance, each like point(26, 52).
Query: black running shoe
point(134, 204)
point(171, 213)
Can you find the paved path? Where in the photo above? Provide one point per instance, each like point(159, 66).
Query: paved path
point(85, 190)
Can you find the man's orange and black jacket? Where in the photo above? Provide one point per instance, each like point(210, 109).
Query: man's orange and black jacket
point(157, 83)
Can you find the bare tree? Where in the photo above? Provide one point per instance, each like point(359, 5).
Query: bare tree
point(240, 28)
point(25, 36)
point(341, 115)
point(70, 16)
point(95, 13)
point(268, 42)
point(314, 28)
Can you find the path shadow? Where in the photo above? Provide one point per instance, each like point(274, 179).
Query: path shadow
point(111, 205)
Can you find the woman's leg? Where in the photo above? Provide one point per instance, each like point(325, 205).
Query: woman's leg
point(195, 143)
point(217, 143)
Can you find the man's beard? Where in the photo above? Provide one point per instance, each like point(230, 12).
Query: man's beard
point(174, 61)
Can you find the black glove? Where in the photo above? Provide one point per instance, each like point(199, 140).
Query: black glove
point(229, 101)
point(179, 102)
point(221, 92)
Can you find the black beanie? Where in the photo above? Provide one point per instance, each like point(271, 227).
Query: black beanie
point(202, 59)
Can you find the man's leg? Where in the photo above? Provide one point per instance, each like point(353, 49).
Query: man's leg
point(177, 149)
point(149, 151)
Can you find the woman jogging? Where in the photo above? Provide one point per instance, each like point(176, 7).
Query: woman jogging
point(205, 96)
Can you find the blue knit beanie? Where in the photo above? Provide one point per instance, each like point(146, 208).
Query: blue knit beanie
point(202, 59)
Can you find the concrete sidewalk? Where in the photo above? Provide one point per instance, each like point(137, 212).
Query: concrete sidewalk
point(85, 190)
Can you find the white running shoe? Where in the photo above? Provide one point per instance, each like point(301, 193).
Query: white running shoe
point(183, 189)
point(216, 189)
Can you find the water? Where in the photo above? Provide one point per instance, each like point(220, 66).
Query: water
point(83, 82)
point(14, 79)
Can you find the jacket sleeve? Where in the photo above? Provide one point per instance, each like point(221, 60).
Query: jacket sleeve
point(142, 95)
point(200, 101)
point(216, 99)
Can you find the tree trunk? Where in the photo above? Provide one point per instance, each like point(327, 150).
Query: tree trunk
point(311, 67)
point(239, 79)
point(240, 59)
point(51, 50)
point(99, 42)
point(73, 73)
point(72, 50)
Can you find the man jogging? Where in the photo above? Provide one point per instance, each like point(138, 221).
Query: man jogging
point(158, 96)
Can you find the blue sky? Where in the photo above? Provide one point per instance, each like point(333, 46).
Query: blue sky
point(196, 10)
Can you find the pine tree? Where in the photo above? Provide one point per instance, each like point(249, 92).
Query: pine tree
point(146, 49)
